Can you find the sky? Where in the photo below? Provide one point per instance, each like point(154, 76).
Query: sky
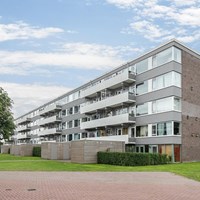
point(49, 47)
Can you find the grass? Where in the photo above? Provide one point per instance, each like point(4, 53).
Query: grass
point(17, 163)
point(7, 157)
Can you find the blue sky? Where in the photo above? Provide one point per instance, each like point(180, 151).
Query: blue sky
point(48, 47)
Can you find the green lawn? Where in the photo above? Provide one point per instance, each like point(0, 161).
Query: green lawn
point(17, 163)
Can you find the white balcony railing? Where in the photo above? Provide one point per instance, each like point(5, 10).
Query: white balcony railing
point(49, 120)
point(111, 83)
point(112, 101)
point(51, 131)
point(23, 120)
point(50, 108)
point(23, 128)
point(22, 136)
point(123, 138)
point(108, 121)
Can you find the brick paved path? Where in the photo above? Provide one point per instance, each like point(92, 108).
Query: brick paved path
point(96, 185)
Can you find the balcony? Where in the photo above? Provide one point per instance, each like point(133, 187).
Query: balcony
point(112, 101)
point(23, 128)
point(48, 109)
point(23, 136)
point(123, 138)
point(49, 120)
point(23, 120)
point(51, 131)
point(111, 83)
point(108, 121)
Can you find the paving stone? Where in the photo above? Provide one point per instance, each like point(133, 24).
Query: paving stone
point(96, 186)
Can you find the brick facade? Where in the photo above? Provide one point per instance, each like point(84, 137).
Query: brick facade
point(190, 107)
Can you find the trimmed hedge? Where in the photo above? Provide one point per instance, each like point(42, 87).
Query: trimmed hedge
point(37, 151)
point(131, 159)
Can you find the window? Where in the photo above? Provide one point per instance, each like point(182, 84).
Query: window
point(63, 125)
point(70, 137)
point(166, 80)
point(132, 69)
point(177, 128)
point(70, 111)
point(132, 132)
point(132, 110)
point(154, 130)
point(142, 66)
point(76, 95)
point(142, 109)
point(154, 149)
point(177, 79)
point(76, 123)
point(63, 112)
point(76, 109)
point(162, 105)
point(142, 88)
point(76, 136)
point(132, 89)
point(162, 81)
point(70, 97)
point(154, 61)
point(84, 135)
point(164, 57)
point(108, 132)
point(142, 131)
point(119, 131)
point(141, 149)
point(164, 128)
point(69, 124)
point(91, 134)
point(177, 55)
point(177, 104)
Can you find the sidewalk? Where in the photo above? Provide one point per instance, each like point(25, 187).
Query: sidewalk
point(97, 186)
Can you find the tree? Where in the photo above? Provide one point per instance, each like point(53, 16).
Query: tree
point(7, 125)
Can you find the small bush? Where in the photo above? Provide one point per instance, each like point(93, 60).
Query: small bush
point(37, 151)
point(131, 159)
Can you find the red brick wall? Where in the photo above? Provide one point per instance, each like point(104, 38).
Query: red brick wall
point(190, 107)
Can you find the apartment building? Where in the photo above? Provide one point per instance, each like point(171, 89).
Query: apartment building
point(152, 103)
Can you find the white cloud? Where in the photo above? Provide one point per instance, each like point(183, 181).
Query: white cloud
point(21, 30)
point(158, 20)
point(149, 30)
point(157, 11)
point(188, 38)
point(188, 16)
point(89, 49)
point(184, 2)
point(72, 55)
point(26, 97)
point(125, 3)
point(98, 49)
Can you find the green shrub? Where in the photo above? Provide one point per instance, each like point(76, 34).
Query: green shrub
point(131, 159)
point(37, 151)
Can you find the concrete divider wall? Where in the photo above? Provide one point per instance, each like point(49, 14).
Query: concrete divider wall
point(15, 150)
point(5, 149)
point(27, 149)
point(81, 151)
point(85, 151)
point(23, 149)
point(56, 151)
point(66, 152)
